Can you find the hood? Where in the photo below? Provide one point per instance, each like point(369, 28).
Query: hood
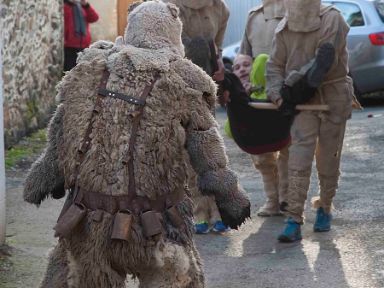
point(155, 25)
point(257, 77)
point(273, 9)
point(196, 4)
point(303, 15)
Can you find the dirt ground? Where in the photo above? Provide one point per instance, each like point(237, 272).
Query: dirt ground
point(351, 255)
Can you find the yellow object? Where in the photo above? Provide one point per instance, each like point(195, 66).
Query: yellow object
point(257, 77)
point(227, 129)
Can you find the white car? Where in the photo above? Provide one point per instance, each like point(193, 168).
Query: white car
point(365, 42)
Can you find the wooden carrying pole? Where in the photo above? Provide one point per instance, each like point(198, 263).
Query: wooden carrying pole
point(271, 106)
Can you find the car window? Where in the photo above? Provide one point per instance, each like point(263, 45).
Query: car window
point(380, 9)
point(351, 13)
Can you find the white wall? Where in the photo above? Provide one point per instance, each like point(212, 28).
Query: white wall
point(2, 167)
point(239, 11)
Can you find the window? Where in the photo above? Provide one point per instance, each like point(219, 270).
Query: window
point(351, 13)
point(380, 9)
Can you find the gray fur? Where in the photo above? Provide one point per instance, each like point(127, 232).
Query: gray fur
point(197, 50)
point(57, 270)
point(203, 150)
point(94, 260)
point(45, 177)
point(233, 204)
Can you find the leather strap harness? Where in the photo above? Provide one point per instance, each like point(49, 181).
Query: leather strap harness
point(132, 202)
point(125, 207)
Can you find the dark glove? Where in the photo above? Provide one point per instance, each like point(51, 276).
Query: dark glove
point(35, 194)
point(234, 209)
point(288, 109)
point(58, 192)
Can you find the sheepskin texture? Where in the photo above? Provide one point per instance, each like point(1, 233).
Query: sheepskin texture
point(156, 29)
point(202, 146)
point(45, 177)
point(197, 50)
point(187, 272)
point(232, 202)
point(177, 108)
point(57, 271)
point(96, 261)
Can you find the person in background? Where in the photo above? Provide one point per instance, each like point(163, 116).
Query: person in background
point(78, 14)
point(260, 29)
point(308, 28)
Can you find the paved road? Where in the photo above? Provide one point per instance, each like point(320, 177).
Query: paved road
point(351, 255)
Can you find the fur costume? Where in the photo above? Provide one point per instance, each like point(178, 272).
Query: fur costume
point(176, 124)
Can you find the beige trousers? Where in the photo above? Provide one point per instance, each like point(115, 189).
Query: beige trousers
point(274, 171)
point(205, 208)
point(313, 134)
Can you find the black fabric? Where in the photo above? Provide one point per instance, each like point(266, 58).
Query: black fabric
point(59, 191)
point(299, 93)
point(255, 131)
point(70, 56)
point(305, 88)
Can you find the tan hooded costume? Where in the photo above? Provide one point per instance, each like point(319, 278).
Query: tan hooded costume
point(260, 29)
point(306, 26)
point(162, 101)
point(206, 18)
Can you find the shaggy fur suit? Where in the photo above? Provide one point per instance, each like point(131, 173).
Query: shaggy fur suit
point(203, 20)
point(176, 127)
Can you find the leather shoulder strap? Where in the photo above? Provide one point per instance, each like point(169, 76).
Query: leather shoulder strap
point(137, 115)
point(86, 142)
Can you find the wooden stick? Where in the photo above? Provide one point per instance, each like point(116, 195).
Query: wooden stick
point(271, 106)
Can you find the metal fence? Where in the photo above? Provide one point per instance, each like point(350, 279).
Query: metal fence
point(239, 12)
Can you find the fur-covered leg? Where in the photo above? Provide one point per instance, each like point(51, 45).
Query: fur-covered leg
point(57, 270)
point(90, 272)
point(173, 266)
point(196, 272)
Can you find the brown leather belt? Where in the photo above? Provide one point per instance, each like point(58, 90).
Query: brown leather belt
point(114, 204)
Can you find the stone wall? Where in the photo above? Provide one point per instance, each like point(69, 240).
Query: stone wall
point(32, 63)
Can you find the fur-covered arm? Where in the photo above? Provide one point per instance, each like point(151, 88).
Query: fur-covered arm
point(45, 177)
point(207, 155)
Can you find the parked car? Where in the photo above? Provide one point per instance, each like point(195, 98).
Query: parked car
point(365, 42)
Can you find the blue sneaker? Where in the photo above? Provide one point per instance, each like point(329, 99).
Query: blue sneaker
point(220, 227)
point(291, 233)
point(323, 221)
point(202, 228)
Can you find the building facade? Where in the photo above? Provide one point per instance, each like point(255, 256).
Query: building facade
point(32, 63)
point(239, 10)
